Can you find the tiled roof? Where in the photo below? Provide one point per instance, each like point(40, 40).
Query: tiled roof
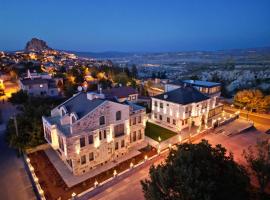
point(183, 95)
point(80, 105)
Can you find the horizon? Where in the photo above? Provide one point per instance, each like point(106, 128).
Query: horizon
point(141, 27)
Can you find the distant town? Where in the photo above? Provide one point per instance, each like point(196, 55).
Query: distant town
point(90, 126)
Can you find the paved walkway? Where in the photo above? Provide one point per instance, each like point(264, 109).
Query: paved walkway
point(72, 180)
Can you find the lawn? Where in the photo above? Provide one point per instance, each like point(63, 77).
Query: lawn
point(154, 131)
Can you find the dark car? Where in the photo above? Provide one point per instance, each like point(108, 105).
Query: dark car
point(268, 131)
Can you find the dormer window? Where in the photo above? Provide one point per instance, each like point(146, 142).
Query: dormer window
point(73, 119)
point(63, 111)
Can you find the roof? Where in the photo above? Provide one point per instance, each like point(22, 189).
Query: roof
point(80, 105)
point(195, 83)
point(65, 129)
point(120, 92)
point(34, 81)
point(183, 95)
point(202, 83)
point(133, 106)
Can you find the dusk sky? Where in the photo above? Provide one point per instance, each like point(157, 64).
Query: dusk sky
point(138, 25)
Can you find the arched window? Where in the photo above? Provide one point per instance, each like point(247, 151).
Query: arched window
point(118, 115)
point(102, 120)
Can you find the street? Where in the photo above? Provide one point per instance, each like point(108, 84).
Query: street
point(262, 121)
point(15, 183)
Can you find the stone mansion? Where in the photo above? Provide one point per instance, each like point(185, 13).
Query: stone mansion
point(88, 130)
point(185, 105)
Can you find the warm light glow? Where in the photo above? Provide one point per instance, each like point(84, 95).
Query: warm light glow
point(170, 146)
point(78, 149)
point(96, 183)
point(73, 194)
point(180, 138)
point(114, 172)
point(28, 160)
point(131, 165)
point(159, 138)
point(145, 157)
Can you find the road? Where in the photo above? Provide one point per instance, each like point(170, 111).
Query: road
point(14, 182)
point(130, 187)
point(262, 121)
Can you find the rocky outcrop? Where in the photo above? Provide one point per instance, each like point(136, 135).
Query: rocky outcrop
point(36, 45)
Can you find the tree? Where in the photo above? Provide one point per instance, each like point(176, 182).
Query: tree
point(252, 99)
point(258, 159)
point(29, 122)
point(20, 97)
point(197, 171)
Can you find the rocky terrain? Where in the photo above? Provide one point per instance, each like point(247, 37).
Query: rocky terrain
point(36, 45)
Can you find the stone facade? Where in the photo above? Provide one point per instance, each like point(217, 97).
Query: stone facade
point(89, 142)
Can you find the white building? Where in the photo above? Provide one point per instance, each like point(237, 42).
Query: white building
point(183, 107)
point(89, 130)
point(36, 84)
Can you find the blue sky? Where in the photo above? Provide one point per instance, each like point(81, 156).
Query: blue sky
point(138, 25)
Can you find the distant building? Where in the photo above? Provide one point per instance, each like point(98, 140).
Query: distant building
point(89, 130)
point(40, 84)
point(211, 89)
point(122, 94)
point(182, 107)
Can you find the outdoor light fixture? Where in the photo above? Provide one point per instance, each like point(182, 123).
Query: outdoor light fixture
point(73, 195)
point(180, 138)
point(131, 165)
point(145, 157)
point(158, 150)
point(28, 160)
point(96, 183)
point(170, 146)
point(159, 138)
point(114, 173)
point(36, 180)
